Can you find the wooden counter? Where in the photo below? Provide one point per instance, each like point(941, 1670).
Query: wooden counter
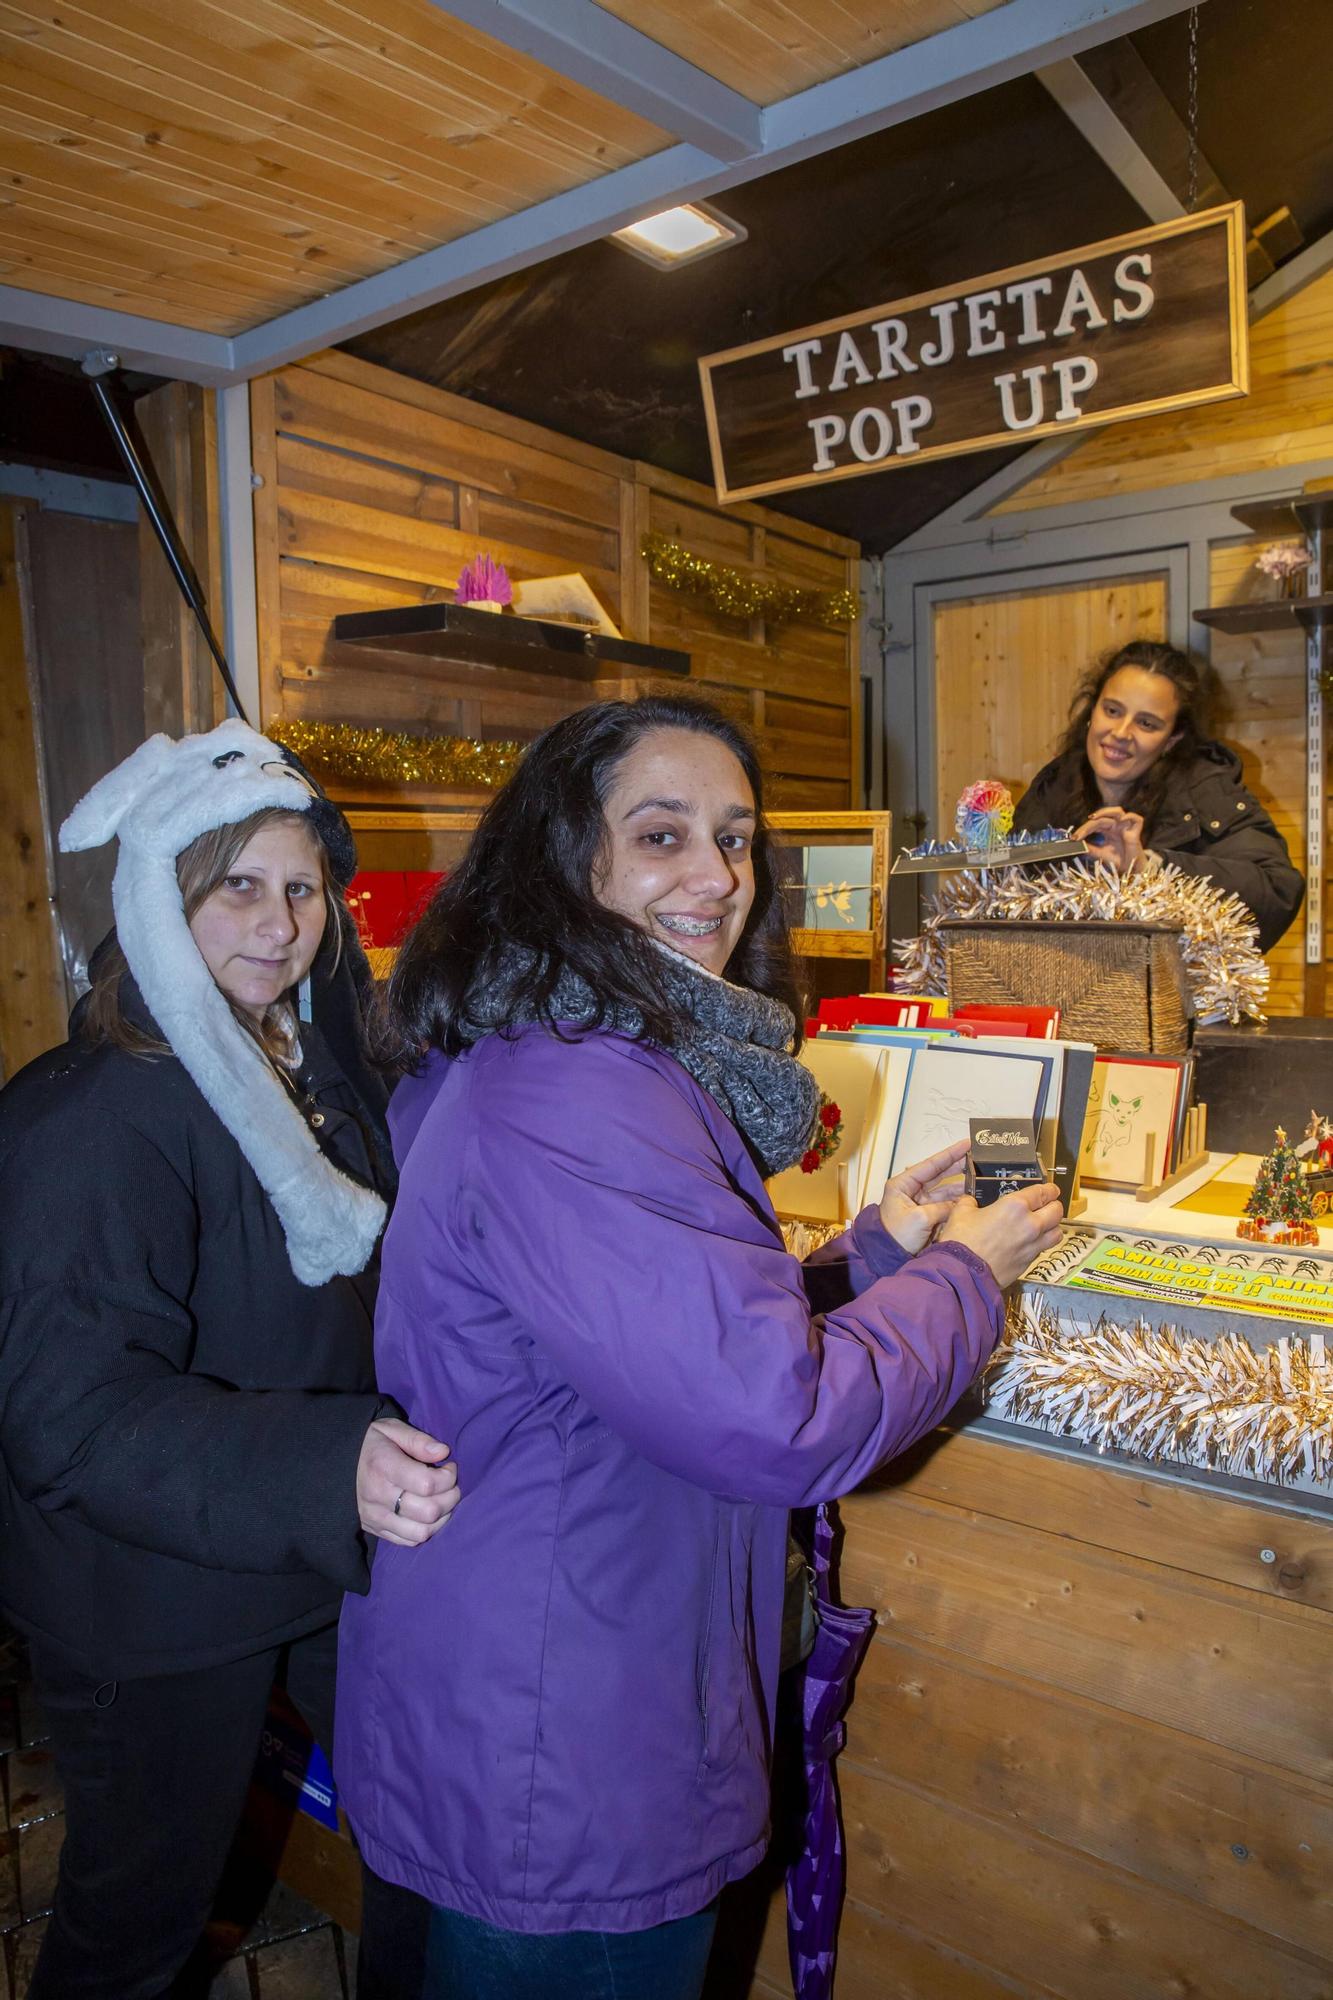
point(1090, 1752)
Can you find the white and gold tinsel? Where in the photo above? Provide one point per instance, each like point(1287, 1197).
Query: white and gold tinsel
point(1157, 1393)
point(1219, 937)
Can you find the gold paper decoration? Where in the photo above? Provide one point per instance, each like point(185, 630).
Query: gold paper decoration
point(352, 755)
point(735, 595)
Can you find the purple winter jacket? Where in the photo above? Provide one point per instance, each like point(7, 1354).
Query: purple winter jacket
point(557, 1714)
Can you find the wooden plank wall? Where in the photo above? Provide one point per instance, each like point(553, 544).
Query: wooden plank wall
point(1263, 687)
point(376, 489)
point(1046, 636)
point(182, 689)
point(1089, 1753)
point(32, 985)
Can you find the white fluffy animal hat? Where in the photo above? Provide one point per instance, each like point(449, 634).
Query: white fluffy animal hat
point(156, 803)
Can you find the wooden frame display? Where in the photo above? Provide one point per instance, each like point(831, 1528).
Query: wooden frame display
point(836, 938)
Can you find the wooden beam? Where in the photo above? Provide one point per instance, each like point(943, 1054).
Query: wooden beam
point(603, 53)
point(32, 985)
point(1114, 100)
point(50, 325)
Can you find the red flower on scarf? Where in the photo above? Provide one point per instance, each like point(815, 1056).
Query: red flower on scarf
point(827, 1136)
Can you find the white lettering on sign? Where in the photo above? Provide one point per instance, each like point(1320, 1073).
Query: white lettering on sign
point(1025, 295)
point(986, 334)
point(1050, 345)
point(871, 433)
point(849, 362)
point(1125, 283)
point(983, 330)
point(1036, 400)
point(1075, 375)
point(828, 432)
point(936, 353)
point(1078, 299)
point(800, 352)
point(893, 356)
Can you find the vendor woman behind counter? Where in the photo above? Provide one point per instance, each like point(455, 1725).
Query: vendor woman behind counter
point(1136, 774)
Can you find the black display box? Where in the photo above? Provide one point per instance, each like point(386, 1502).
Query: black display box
point(1261, 1075)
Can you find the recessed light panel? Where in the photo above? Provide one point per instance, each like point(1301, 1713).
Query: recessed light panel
point(679, 235)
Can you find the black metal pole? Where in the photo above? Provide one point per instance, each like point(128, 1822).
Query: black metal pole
point(167, 533)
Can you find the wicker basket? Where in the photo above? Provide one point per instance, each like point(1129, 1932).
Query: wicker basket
point(1121, 986)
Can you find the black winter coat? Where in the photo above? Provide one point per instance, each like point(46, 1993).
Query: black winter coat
point(1208, 824)
point(180, 1418)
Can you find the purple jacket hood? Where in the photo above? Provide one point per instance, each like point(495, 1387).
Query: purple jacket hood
point(557, 1715)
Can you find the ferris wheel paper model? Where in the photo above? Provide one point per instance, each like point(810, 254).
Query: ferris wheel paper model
point(985, 837)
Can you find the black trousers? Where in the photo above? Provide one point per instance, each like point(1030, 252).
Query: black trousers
point(155, 1774)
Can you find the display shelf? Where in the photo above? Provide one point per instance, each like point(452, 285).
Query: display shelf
point(498, 639)
point(1299, 515)
point(1296, 515)
point(1274, 614)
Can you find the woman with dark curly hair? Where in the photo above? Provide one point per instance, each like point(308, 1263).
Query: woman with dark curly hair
point(556, 1731)
point(1137, 773)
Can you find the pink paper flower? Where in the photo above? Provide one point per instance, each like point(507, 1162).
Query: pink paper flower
point(484, 581)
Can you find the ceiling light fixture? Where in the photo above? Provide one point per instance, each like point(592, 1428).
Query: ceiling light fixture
point(679, 235)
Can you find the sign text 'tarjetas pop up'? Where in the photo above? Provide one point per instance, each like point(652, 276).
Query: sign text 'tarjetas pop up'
point(1147, 322)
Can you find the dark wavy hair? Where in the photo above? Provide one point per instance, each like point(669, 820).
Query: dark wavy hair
point(527, 881)
point(1194, 685)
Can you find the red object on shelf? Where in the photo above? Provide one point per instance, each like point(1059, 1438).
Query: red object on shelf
point(1042, 1023)
point(386, 902)
point(871, 1010)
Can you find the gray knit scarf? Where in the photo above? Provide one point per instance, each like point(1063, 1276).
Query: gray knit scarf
point(734, 1043)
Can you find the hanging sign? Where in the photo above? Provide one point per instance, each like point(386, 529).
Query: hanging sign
point(1151, 321)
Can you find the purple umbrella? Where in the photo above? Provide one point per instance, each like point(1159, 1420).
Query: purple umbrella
point(817, 1878)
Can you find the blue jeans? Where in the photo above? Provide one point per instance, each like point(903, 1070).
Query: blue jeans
point(469, 1960)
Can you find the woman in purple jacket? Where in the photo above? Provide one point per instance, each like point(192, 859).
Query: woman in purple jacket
point(554, 1721)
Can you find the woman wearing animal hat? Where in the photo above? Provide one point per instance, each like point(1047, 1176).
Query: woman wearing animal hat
point(195, 1458)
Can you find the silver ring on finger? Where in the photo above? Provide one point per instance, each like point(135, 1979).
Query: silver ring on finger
point(398, 1503)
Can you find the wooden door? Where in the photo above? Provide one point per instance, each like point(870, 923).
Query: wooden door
point(1006, 664)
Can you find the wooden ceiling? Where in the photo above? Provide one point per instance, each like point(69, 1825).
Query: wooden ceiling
point(214, 163)
point(769, 49)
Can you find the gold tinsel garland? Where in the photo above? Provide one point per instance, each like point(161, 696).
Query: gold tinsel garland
point(736, 595)
point(1158, 1393)
point(352, 755)
point(1219, 937)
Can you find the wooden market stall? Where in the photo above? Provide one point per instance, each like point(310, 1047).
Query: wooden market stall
point(1088, 1754)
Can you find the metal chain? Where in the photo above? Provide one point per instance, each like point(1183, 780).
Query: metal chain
point(1192, 115)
